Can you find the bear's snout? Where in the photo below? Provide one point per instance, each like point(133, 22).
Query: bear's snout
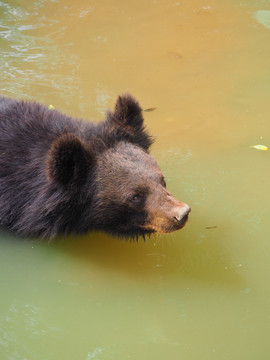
point(166, 213)
point(180, 216)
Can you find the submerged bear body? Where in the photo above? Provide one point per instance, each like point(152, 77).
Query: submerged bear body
point(60, 175)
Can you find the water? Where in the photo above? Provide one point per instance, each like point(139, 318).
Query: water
point(203, 292)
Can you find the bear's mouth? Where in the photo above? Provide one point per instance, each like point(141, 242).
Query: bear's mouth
point(166, 227)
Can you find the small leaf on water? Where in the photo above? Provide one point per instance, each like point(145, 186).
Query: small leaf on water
point(149, 109)
point(51, 107)
point(259, 147)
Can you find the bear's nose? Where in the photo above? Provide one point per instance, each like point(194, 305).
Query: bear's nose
point(181, 215)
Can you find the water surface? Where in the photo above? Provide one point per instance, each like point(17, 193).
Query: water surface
point(203, 292)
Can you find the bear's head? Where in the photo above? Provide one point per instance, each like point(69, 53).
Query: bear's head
point(116, 184)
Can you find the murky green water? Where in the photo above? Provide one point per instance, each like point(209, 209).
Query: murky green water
point(201, 293)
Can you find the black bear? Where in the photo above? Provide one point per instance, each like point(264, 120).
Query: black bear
point(60, 175)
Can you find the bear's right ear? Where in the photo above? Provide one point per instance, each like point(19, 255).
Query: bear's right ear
point(69, 160)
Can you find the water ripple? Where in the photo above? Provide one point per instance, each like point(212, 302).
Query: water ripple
point(35, 60)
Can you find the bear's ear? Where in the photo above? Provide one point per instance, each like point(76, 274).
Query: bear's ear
point(127, 112)
point(69, 160)
point(127, 117)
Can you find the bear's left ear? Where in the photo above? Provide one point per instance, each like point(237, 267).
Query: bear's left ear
point(128, 117)
point(69, 160)
point(128, 112)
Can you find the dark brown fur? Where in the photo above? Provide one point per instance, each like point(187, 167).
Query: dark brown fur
point(60, 175)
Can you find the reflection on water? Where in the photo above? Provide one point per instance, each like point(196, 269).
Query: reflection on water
point(32, 62)
point(200, 293)
point(263, 17)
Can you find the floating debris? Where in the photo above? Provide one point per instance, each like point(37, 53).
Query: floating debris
point(211, 227)
point(259, 147)
point(175, 55)
point(51, 107)
point(149, 109)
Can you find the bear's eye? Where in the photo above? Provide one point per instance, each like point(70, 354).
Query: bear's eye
point(136, 199)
